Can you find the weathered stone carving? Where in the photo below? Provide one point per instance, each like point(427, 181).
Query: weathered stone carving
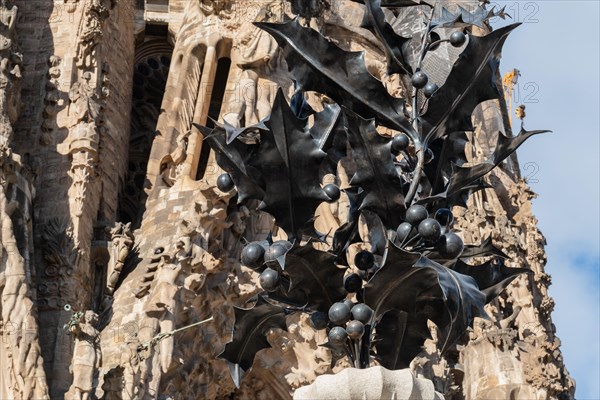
point(189, 240)
point(10, 72)
point(86, 356)
point(82, 144)
point(120, 245)
point(91, 32)
point(60, 256)
point(51, 100)
point(371, 384)
point(213, 7)
point(20, 354)
point(172, 164)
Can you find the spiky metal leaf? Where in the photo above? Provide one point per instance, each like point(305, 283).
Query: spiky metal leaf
point(249, 336)
point(492, 277)
point(233, 158)
point(289, 162)
point(463, 176)
point(412, 283)
point(347, 234)
point(375, 172)
point(319, 65)
point(399, 338)
point(472, 81)
point(394, 45)
point(315, 283)
point(486, 248)
point(464, 18)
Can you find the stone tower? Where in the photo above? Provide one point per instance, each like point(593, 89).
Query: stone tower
point(114, 234)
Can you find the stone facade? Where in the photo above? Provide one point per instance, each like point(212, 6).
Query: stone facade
point(114, 234)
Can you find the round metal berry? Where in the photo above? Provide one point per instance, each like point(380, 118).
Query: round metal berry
point(364, 260)
point(269, 280)
point(457, 39)
point(430, 89)
point(276, 250)
point(349, 303)
point(405, 232)
point(415, 214)
point(355, 329)
point(450, 245)
point(400, 143)
point(430, 230)
point(333, 192)
point(337, 336)
point(362, 312)
point(353, 283)
point(253, 255)
point(419, 79)
point(339, 313)
point(319, 320)
point(225, 183)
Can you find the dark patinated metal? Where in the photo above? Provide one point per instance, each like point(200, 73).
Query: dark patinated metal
point(415, 268)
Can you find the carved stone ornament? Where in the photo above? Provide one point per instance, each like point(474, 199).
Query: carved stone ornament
point(86, 355)
point(375, 383)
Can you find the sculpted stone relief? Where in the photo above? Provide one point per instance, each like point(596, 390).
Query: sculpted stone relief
point(22, 374)
point(10, 72)
point(193, 272)
point(86, 355)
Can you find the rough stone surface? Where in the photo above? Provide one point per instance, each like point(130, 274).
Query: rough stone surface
point(374, 383)
point(114, 234)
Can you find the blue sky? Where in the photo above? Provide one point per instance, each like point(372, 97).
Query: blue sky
point(557, 51)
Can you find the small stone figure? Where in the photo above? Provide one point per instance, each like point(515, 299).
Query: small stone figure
point(121, 242)
point(91, 33)
point(172, 164)
point(131, 361)
point(85, 101)
point(86, 355)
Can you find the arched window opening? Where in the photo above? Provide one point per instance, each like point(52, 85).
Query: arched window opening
point(214, 110)
point(152, 66)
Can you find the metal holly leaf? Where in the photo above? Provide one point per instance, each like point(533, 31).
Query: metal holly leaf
point(492, 277)
point(462, 300)
point(463, 18)
point(397, 284)
point(375, 172)
point(319, 65)
point(376, 232)
point(471, 81)
point(463, 176)
point(315, 281)
point(447, 151)
point(233, 132)
point(299, 105)
point(233, 158)
point(249, 336)
point(412, 283)
point(289, 162)
point(486, 248)
point(444, 199)
point(325, 124)
point(394, 45)
point(329, 133)
point(399, 338)
point(347, 234)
